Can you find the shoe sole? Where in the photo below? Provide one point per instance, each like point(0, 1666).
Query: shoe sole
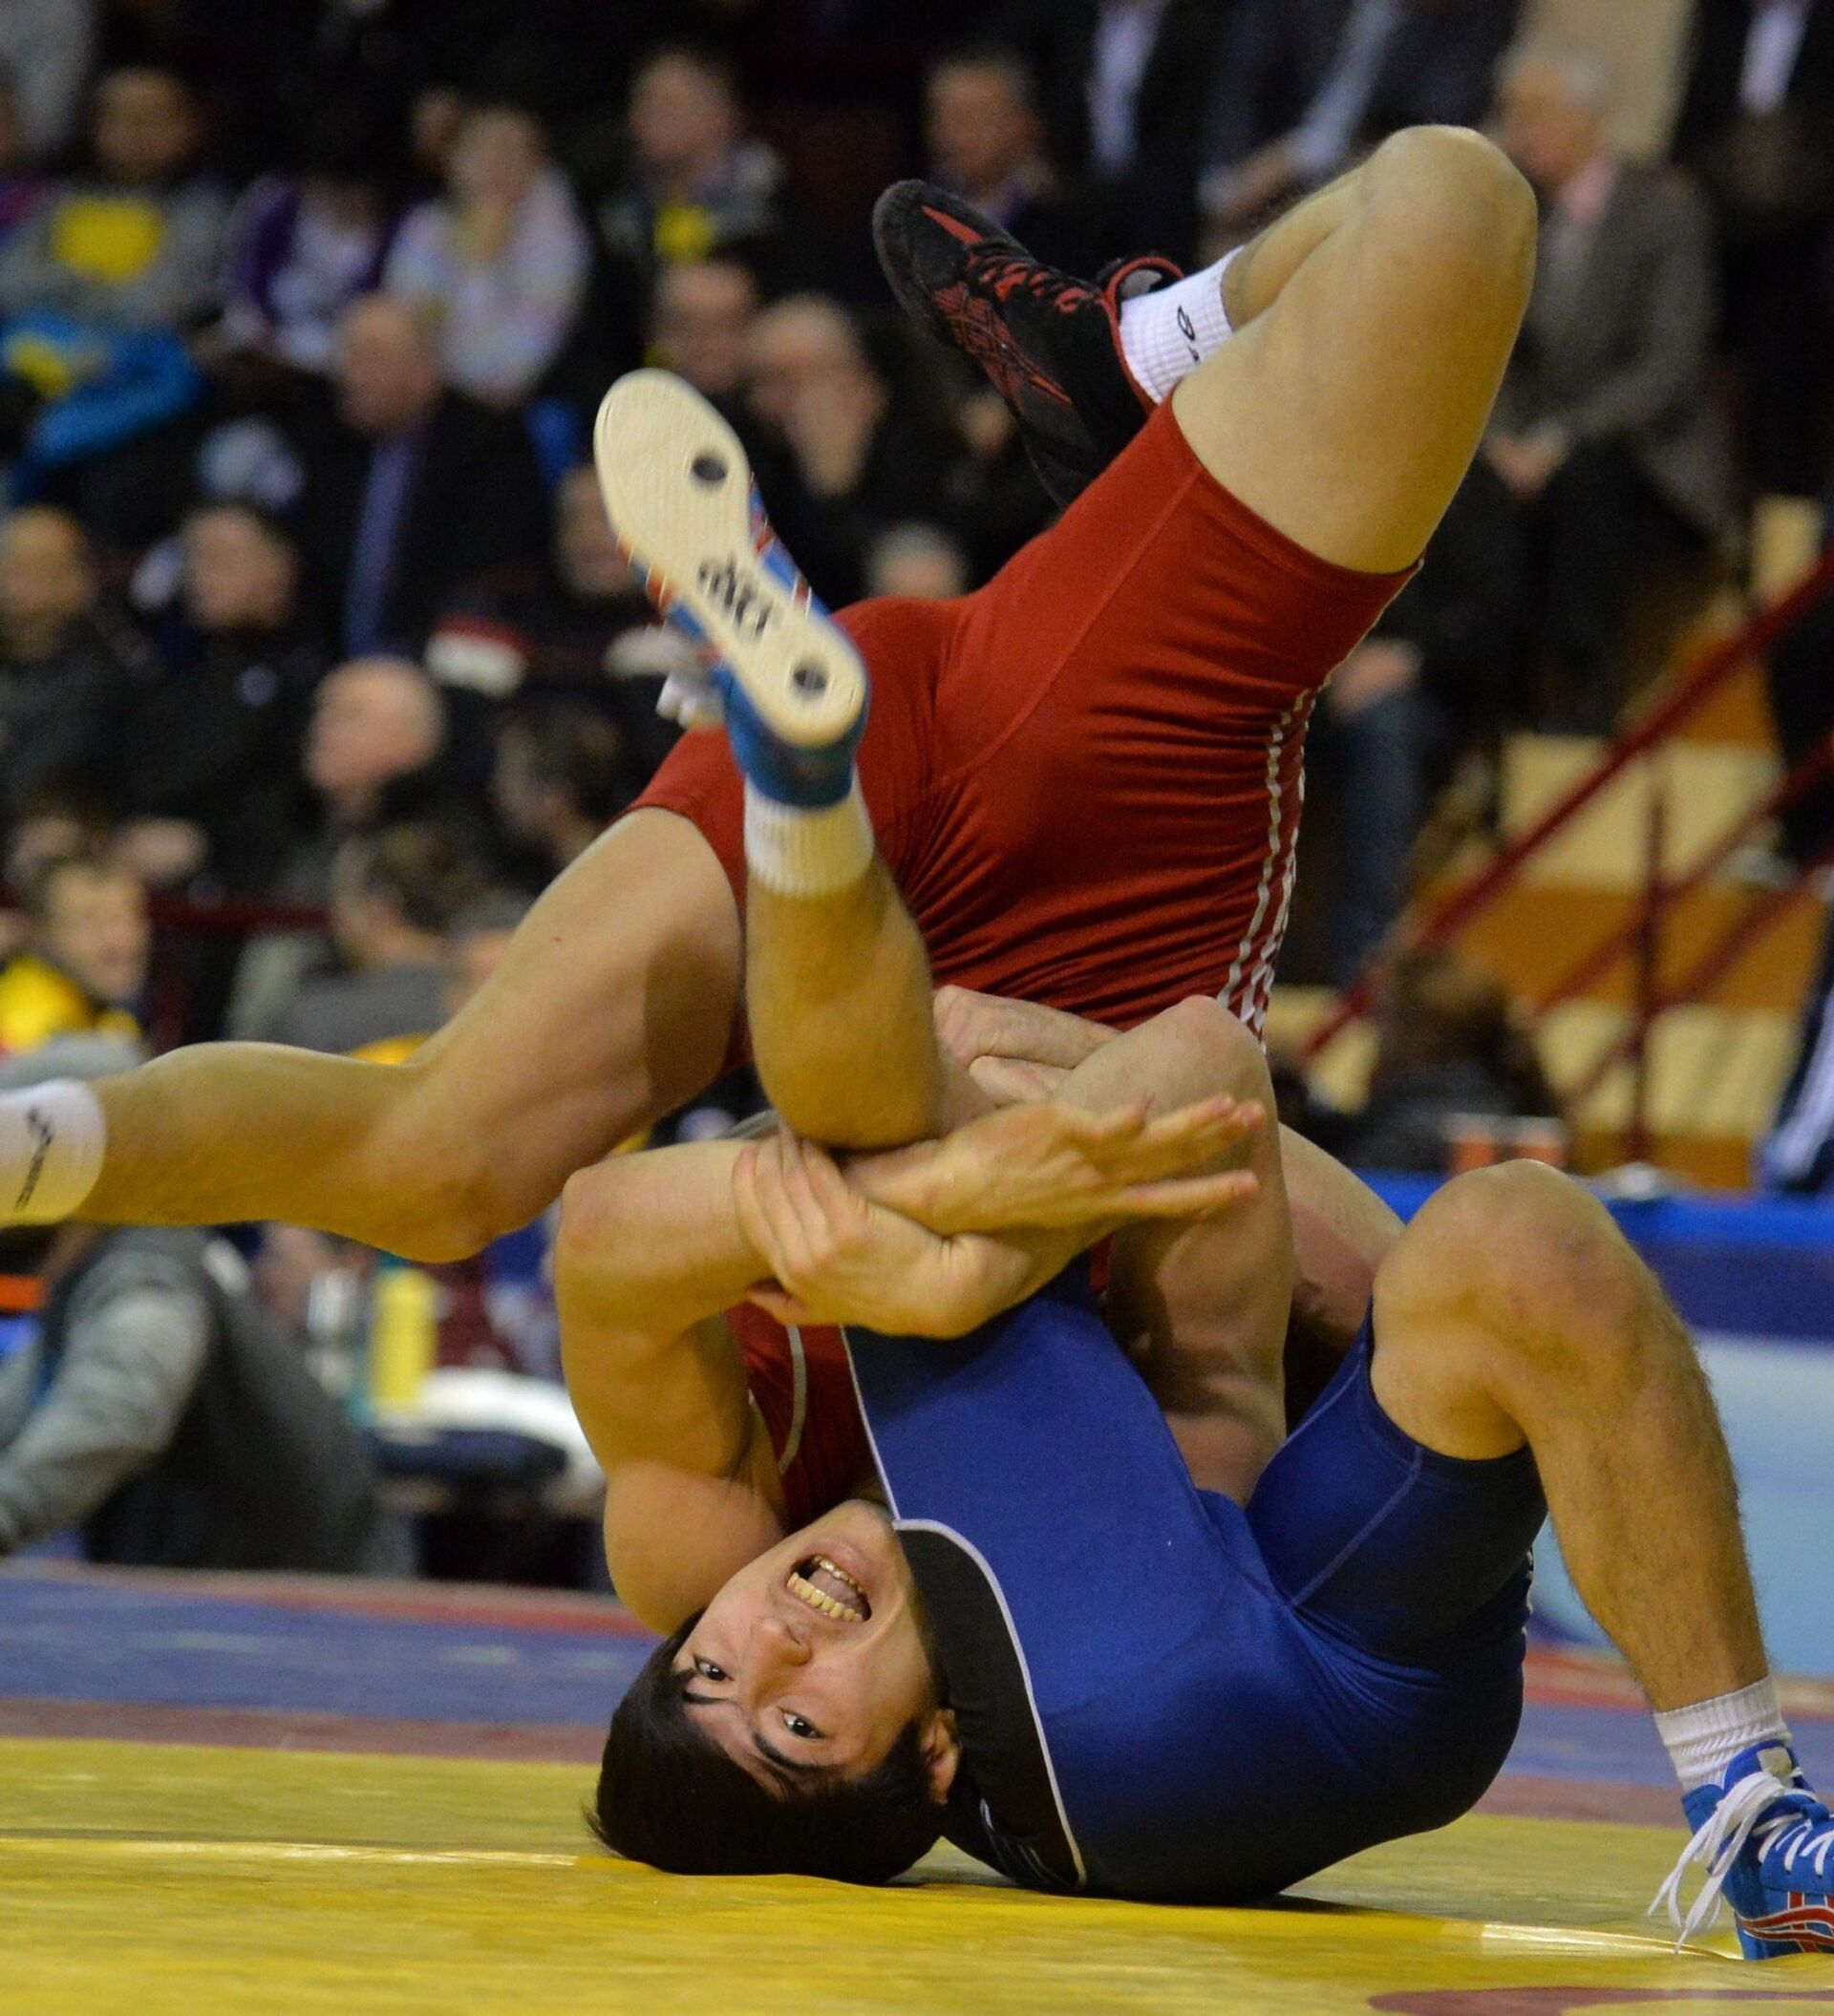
point(677, 489)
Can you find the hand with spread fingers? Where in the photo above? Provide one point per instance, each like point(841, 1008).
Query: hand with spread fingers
point(1050, 1164)
point(983, 1031)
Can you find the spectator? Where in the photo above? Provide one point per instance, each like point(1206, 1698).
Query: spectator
point(159, 1408)
point(1448, 1045)
point(562, 777)
point(394, 897)
point(84, 966)
point(501, 259)
point(1757, 127)
point(21, 191)
point(416, 496)
point(373, 760)
point(854, 463)
point(918, 561)
point(302, 247)
point(704, 312)
point(1125, 83)
point(984, 133)
point(46, 46)
point(134, 243)
point(1392, 63)
point(1607, 435)
point(63, 662)
point(574, 632)
point(695, 182)
point(210, 749)
point(1430, 684)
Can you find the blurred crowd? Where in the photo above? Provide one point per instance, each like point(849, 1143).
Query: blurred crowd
point(306, 597)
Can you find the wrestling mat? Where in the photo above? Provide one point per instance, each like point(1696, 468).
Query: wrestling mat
point(226, 1796)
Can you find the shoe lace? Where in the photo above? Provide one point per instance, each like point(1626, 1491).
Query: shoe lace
point(1805, 1835)
point(1007, 274)
point(1716, 1845)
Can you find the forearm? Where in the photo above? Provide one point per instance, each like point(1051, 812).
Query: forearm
point(652, 1242)
point(838, 993)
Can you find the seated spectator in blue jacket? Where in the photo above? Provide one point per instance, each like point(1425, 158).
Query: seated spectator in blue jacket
point(158, 1408)
point(502, 260)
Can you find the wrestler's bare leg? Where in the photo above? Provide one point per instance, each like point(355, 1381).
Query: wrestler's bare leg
point(615, 1003)
point(1373, 325)
point(839, 994)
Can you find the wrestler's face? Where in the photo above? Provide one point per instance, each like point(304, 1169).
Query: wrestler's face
point(812, 1659)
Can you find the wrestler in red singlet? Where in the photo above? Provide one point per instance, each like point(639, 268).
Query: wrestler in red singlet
point(1086, 778)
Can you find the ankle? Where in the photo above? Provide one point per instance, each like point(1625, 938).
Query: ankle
point(1703, 1738)
point(807, 854)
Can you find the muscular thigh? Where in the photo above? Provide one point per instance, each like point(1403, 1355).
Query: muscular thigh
point(615, 1003)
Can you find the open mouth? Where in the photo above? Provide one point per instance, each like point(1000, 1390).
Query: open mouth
point(829, 1590)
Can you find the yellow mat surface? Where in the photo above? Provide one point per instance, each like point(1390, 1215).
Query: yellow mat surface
point(168, 1881)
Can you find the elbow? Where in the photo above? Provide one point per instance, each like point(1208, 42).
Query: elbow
point(595, 1224)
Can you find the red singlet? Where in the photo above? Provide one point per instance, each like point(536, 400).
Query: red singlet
point(1086, 777)
point(803, 1391)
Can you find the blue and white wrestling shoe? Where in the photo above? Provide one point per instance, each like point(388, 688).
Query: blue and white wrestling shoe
point(781, 674)
point(1767, 1845)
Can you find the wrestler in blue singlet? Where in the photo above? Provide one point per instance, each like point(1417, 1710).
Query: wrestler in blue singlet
point(1161, 1694)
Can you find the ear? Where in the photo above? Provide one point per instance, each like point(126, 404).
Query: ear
point(942, 1752)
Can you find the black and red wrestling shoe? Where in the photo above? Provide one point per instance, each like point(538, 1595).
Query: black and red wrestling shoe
point(1048, 343)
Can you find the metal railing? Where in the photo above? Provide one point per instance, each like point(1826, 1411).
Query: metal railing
point(1641, 938)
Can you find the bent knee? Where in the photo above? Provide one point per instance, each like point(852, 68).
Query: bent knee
point(456, 1189)
point(1219, 1047)
point(1521, 1251)
point(1462, 200)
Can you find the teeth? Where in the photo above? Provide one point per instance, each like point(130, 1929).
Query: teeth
point(839, 1573)
point(841, 1612)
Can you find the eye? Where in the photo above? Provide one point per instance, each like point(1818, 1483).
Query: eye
point(801, 1728)
point(708, 1670)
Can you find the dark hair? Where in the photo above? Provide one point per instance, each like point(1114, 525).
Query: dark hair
point(421, 869)
point(669, 1796)
point(576, 751)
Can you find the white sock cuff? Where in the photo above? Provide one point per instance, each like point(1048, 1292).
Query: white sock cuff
point(51, 1141)
point(804, 853)
point(1167, 334)
point(1703, 1739)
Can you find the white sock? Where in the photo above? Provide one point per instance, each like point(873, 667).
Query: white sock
point(1703, 1739)
point(807, 854)
point(51, 1139)
point(1166, 334)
